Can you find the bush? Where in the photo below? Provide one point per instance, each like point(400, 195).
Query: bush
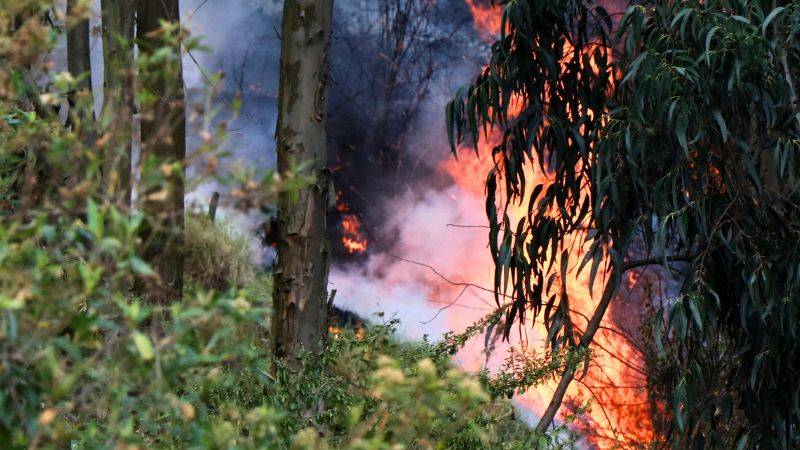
point(216, 255)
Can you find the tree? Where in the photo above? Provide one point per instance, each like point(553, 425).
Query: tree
point(163, 140)
point(301, 274)
point(679, 129)
point(118, 29)
point(79, 62)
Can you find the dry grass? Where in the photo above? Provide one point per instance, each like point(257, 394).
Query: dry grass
point(217, 256)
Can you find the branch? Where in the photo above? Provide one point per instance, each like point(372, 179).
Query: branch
point(656, 261)
point(591, 329)
point(586, 339)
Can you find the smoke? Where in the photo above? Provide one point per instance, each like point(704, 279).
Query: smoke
point(423, 213)
point(405, 274)
point(241, 42)
point(393, 69)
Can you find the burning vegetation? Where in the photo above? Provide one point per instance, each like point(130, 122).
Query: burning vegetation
point(615, 383)
point(353, 240)
point(614, 247)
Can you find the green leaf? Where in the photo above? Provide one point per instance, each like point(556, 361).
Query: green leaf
point(775, 12)
point(680, 405)
point(723, 127)
point(741, 19)
point(140, 267)
point(709, 37)
point(684, 12)
point(742, 444)
point(94, 219)
point(143, 345)
point(696, 314)
point(634, 68)
point(680, 130)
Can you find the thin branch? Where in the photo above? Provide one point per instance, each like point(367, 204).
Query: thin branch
point(440, 275)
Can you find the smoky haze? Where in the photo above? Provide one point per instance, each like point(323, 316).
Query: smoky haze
point(393, 67)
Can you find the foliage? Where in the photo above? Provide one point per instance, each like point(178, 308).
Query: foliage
point(86, 363)
point(216, 256)
point(688, 139)
point(86, 367)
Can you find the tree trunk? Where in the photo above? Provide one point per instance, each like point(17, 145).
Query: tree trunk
point(118, 26)
point(163, 137)
point(301, 274)
point(78, 59)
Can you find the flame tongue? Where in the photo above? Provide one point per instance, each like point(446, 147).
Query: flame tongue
point(353, 240)
point(486, 17)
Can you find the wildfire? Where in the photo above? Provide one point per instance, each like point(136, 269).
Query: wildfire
point(486, 17)
point(353, 240)
point(615, 383)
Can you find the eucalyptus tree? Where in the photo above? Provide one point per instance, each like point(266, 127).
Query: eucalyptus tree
point(676, 126)
point(117, 18)
point(79, 62)
point(301, 275)
point(163, 140)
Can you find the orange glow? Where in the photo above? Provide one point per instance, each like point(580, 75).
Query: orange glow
point(615, 384)
point(487, 18)
point(353, 239)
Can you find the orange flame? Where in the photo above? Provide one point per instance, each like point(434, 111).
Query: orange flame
point(353, 239)
point(486, 17)
point(615, 384)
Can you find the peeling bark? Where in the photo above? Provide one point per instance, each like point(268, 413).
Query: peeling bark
point(301, 275)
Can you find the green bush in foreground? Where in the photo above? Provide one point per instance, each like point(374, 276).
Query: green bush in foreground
point(83, 364)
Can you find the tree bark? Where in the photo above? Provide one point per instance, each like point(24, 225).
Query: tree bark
point(79, 62)
point(301, 275)
point(118, 29)
point(163, 138)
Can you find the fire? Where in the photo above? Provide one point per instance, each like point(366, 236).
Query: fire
point(353, 239)
point(486, 17)
point(615, 384)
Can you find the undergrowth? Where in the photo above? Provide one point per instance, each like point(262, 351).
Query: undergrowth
point(84, 364)
point(216, 256)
